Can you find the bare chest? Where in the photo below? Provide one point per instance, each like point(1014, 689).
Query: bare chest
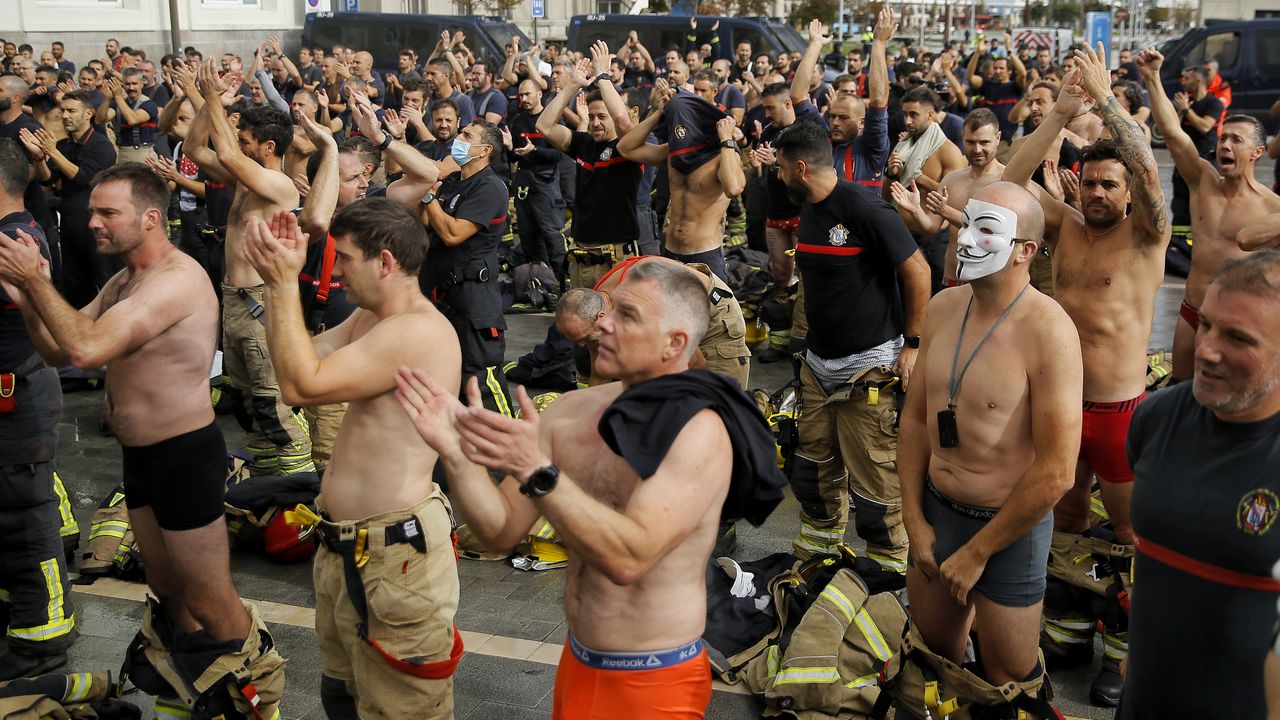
point(1112, 265)
point(582, 455)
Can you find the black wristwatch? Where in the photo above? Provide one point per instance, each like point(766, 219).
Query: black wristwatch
point(542, 481)
point(730, 144)
point(912, 341)
point(387, 139)
point(428, 198)
point(602, 76)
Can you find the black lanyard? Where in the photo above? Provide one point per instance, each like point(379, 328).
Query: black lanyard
point(954, 388)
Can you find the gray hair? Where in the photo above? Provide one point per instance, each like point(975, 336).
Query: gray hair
point(684, 298)
point(1257, 273)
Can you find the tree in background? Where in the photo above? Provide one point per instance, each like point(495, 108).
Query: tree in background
point(806, 10)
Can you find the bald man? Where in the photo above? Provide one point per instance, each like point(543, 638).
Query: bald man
point(984, 454)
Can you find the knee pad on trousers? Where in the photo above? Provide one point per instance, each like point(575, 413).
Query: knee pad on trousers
point(337, 701)
point(268, 420)
point(804, 483)
point(868, 520)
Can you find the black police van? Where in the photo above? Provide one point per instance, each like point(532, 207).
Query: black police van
point(1248, 55)
point(660, 32)
point(385, 35)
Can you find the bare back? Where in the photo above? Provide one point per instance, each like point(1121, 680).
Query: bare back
point(1107, 281)
point(1218, 213)
point(994, 405)
point(248, 204)
point(379, 461)
point(160, 389)
point(698, 205)
point(667, 606)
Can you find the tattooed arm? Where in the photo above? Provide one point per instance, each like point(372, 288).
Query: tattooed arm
point(1150, 213)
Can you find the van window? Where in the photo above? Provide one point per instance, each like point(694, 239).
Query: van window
point(1223, 47)
point(1268, 60)
point(383, 40)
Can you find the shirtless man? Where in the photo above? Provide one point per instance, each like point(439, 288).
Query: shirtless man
point(945, 206)
point(918, 117)
point(251, 158)
point(1225, 198)
point(702, 181)
point(155, 326)
point(985, 454)
point(1107, 268)
point(638, 548)
point(378, 483)
point(723, 348)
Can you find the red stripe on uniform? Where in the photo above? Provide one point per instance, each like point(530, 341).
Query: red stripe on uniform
point(498, 221)
point(691, 148)
point(827, 249)
point(532, 136)
point(871, 183)
point(1204, 570)
point(618, 160)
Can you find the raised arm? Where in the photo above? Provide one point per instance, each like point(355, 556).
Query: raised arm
point(804, 73)
point(975, 80)
point(732, 179)
point(269, 89)
point(1015, 62)
point(633, 145)
point(322, 199)
point(557, 135)
point(197, 147)
point(268, 184)
point(1185, 157)
point(1149, 209)
point(911, 209)
point(878, 70)
point(601, 61)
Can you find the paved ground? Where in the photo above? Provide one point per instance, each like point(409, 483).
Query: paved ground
point(513, 620)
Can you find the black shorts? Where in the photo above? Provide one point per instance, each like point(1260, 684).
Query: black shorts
point(713, 259)
point(183, 479)
point(1014, 576)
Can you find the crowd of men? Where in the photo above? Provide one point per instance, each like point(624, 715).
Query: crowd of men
point(338, 232)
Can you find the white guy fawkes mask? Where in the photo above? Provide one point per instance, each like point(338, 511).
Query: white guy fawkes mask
point(986, 241)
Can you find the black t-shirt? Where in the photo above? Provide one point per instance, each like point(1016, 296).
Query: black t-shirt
point(1206, 489)
point(482, 199)
point(641, 80)
point(848, 251)
point(606, 182)
point(91, 153)
point(217, 199)
point(15, 344)
point(1206, 142)
point(780, 206)
point(999, 98)
point(544, 159)
point(1068, 159)
point(33, 198)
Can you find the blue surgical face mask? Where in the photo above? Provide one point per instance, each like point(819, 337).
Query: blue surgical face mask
point(460, 151)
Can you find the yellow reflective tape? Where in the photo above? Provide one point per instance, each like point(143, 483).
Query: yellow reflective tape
point(807, 676)
point(817, 532)
point(887, 562)
point(772, 660)
point(841, 601)
point(69, 524)
point(495, 389)
point(864, 681)
point(872, 634)
point(117, 534)
point(166, 709)
point(57, 625)
point(116, 499)
point(81, 683)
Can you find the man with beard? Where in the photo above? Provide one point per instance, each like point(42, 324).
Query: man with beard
point(539, 202)
point(606, 224)
point(923, 159)
point(13, 94)
point(727, 97)
point(444, 128)
point(155, 327)
point(136, 112)
point(489, 102)
point(1224, 199)
point(860, 129)
point(944, 207)
point(439, 77)
point(866, 288)
point(1204, 508)
point(71, 164)
point(1107, 266)
point(998, 92)
point(250, 157)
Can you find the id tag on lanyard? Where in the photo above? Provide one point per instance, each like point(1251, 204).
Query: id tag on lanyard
point(948, 433)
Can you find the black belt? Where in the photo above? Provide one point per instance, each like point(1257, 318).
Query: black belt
point(408, 531)
point(607, 254)
point(252, 305)
point(218, 232)
point(468, 273)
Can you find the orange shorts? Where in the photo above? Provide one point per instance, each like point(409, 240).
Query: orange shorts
point(677, 687)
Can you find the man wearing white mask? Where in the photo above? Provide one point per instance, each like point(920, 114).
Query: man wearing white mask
point(988, 442)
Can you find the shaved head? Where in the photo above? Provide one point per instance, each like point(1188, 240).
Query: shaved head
point(15, 87)
point(1019, 200)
